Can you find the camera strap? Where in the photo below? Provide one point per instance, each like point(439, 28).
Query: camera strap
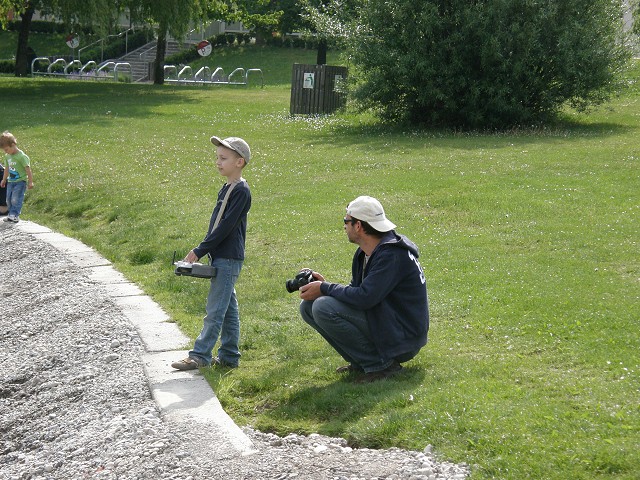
point(224, 203)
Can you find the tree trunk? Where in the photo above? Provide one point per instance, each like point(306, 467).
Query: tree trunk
point(161, 50)
point(321, 58)
point(22, 53)
point(260, 37)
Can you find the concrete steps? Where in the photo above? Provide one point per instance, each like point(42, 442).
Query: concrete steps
point(141, 58)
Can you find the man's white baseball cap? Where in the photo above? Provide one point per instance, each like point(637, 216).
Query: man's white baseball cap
point(369, 210)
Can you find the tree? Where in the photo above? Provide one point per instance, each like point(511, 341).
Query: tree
point(634, 8)
point(6, 8)
point(333, 22)
point(26, 11)
point(173, 17)
point(484, 63)
point(101, 13)
point(283, 16)
point(22, 50)
point(261, 16)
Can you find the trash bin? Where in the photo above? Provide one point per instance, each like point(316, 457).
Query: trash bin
point(317, 89)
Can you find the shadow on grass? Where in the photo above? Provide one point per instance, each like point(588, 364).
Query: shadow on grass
point(332, 405)
point(380, 135)
point(36, 102)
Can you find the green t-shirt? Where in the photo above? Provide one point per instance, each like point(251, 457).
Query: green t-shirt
point(17, 164)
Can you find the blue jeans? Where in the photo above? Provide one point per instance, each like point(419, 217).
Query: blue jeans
point(15, 197)
point(347, 331)
point(223, 317)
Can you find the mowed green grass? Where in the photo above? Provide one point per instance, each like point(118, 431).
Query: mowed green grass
point(44, 44)
point(275, 64)
point(529, 241)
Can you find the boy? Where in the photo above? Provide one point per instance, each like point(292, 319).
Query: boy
point(224, 243)
point(17, 175)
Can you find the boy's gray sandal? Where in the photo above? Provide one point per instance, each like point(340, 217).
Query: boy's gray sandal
point(186, 364)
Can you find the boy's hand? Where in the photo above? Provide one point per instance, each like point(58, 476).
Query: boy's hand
point(191, 257)
point(3, 183)
point(30, 185)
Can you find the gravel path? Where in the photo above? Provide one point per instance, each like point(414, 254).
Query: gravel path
point(75, 402)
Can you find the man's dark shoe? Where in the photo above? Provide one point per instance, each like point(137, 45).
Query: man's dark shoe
point(351, 368)
point(390, 371)
point(216, 362)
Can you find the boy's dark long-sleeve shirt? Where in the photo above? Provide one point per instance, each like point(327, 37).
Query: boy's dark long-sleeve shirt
point(228, 239)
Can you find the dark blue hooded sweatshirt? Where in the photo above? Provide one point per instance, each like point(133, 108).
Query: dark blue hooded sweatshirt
point(393, 293)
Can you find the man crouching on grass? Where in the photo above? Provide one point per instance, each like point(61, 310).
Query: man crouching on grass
point(381, 318)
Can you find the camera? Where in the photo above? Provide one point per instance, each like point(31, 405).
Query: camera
point(303, 277)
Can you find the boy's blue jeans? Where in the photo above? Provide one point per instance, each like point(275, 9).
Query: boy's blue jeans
point(223, 317)
point(346, 330)
point(15, 197)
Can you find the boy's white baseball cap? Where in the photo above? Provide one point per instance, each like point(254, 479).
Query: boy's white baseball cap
point(236, 144)
point(369, 210)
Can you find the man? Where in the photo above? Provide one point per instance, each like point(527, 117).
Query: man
point(381, 318)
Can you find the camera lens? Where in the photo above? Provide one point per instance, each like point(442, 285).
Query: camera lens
point(292, 286)
point(303, 277)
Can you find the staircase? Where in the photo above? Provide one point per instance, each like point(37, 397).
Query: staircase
point(142, 57)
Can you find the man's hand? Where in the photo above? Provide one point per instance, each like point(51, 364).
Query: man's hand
point(317, 276)
point(310, 291)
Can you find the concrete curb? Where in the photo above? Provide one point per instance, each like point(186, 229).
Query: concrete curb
point(183, 397)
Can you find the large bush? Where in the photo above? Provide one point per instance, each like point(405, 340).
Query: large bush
point(490, 63)
point(7, 66)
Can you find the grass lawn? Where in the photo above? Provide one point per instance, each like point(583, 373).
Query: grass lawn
point(44, 44)
point(274, 62)
point(529, 241)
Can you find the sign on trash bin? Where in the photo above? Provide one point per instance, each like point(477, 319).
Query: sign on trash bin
point(308, 80)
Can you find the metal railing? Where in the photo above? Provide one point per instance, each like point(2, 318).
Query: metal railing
point(184, 71)
point(71, 65)
point(202, 74)
point(90, 66)
point(101, 42)
point(185, 76)
point(143, 53)
point(255, 70)
point(75, 70)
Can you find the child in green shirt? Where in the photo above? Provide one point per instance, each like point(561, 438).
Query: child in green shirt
point(17, 176)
